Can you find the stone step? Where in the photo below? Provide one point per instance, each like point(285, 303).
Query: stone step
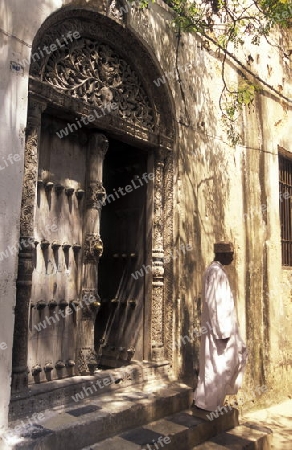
point(59, 393)
point(244, 437)
point(180, 431)
point(99, 417)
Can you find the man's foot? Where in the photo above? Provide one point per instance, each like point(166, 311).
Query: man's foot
point(193, 405)
point(198, 409)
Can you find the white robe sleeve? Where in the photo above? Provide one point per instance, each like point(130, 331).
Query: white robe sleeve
point(220, 303)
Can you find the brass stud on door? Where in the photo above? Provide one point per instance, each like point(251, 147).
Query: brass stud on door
point(80, 194)
point(59, 189)
point(52, 304)
point(76, 248)
point(63, 304)
point(55, 245)
point(35, 371)
point(41, 304)
point(49, 186)
point(69, 191)
point(48, 367)
point(44, 244)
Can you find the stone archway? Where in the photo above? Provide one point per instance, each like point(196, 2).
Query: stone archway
point(83, 76)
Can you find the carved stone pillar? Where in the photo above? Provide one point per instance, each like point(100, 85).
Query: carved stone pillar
point(157, 311)
point(95, 194)
point(26, 247)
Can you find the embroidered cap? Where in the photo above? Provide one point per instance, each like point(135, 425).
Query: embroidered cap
point(223, 247)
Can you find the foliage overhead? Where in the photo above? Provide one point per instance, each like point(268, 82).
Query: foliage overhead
point(227, 24)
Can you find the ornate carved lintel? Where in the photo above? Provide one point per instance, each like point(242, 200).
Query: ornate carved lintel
point(95, 73)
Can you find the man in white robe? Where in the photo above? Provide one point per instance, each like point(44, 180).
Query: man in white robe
point(223, 352)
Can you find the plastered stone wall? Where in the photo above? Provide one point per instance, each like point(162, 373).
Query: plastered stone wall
point(13, 92)
point(19, 23)
point(219, 189)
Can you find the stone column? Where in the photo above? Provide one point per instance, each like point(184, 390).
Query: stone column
point(95, 194)
point(157, 310)
point(26, 247)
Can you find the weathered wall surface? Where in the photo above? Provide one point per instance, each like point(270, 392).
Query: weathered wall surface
point(13, 93)
point(225, 192)
point(19, 23)
point(219, 191)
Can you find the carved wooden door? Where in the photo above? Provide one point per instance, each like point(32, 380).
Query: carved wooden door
point(64, 299)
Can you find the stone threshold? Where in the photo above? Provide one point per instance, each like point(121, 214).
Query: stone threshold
point(59, 393)
point(187, 430)
point(248, 436)
point(180, 431)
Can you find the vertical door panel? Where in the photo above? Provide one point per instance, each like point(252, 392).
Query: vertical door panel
point(58, 226)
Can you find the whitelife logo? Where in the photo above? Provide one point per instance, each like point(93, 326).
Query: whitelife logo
point(47, 50)
point(11, 158)
point(102, 111)
point(129, 188)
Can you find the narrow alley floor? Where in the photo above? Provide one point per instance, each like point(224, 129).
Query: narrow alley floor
point(279, 419)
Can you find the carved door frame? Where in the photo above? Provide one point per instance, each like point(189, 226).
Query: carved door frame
point(156, 134)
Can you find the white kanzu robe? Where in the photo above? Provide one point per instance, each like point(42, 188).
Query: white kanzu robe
point(221, 363)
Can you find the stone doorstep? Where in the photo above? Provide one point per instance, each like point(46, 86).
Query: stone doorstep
point(184, 429)
point(58, 393)
point(103, 416)
point(248, 436)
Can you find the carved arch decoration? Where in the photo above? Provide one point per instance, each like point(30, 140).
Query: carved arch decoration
point(107, 63)
point(93, 72)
